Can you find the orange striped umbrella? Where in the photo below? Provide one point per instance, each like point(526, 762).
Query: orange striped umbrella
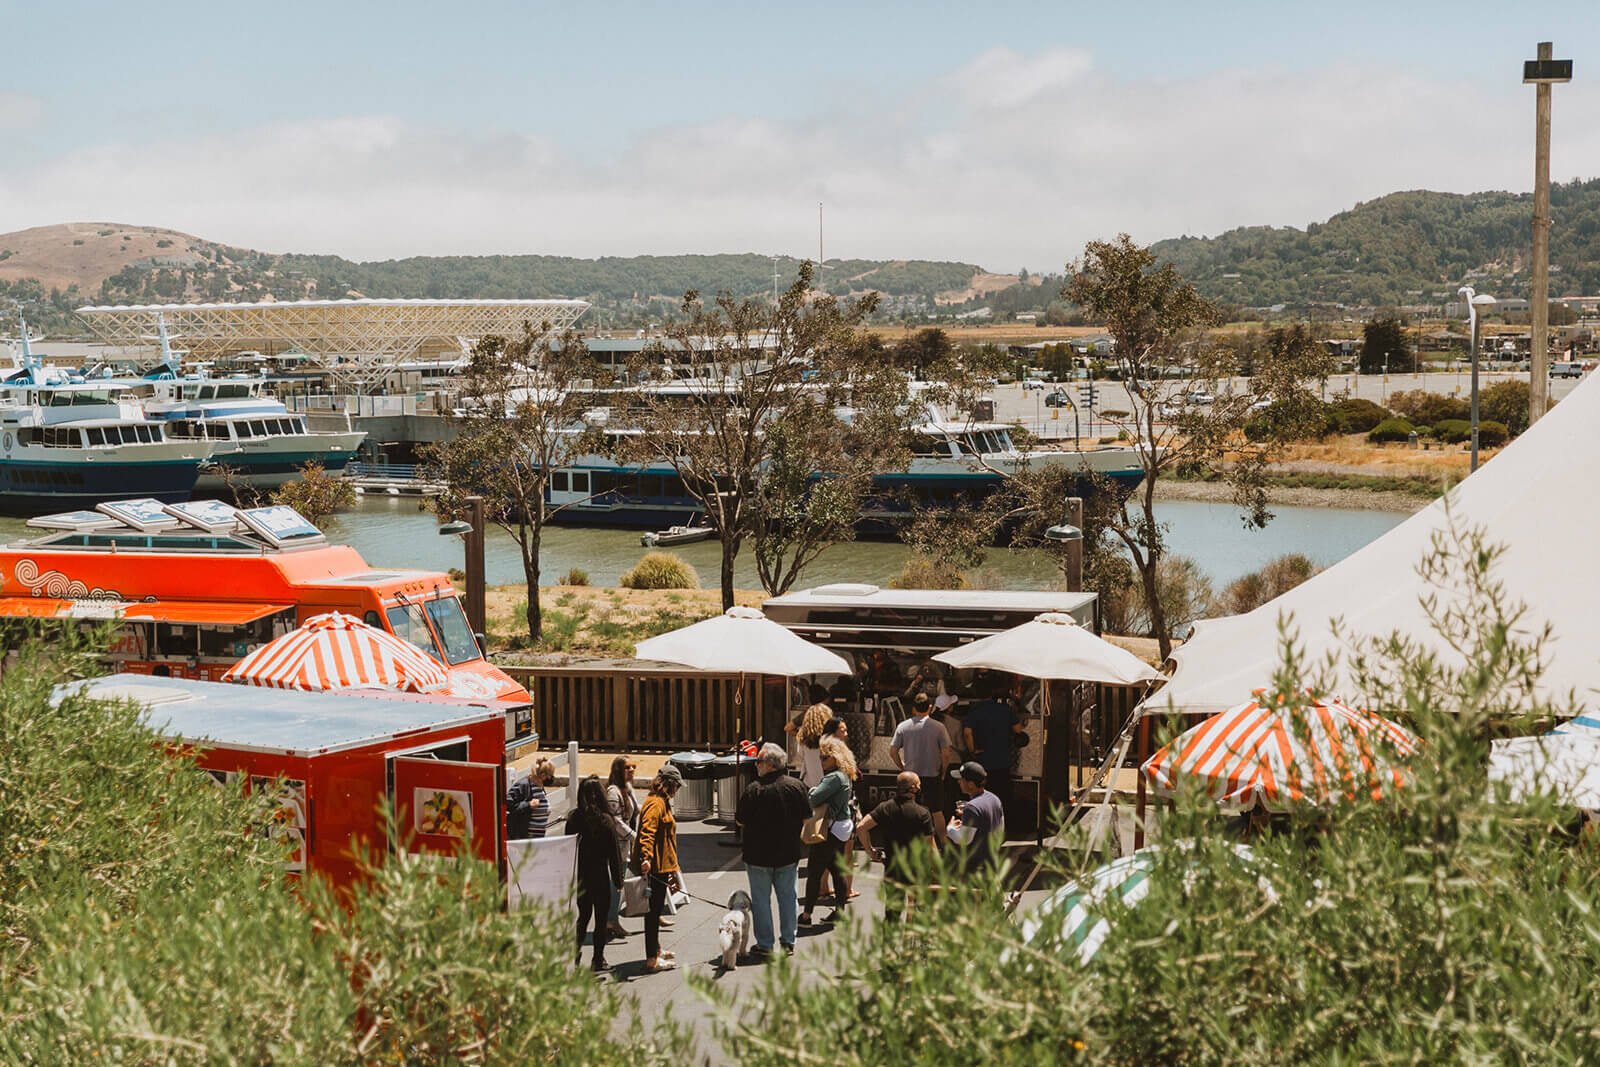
point(1279, 751)
point(336, 651)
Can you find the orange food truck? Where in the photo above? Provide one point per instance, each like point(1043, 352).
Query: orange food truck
point(195, 587)
point(331, 759)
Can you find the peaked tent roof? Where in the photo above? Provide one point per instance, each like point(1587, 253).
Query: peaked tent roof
point(1537, 499)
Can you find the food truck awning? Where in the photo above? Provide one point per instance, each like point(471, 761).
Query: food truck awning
point(195, 612)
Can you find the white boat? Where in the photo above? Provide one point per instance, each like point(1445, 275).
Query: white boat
point(676, 535)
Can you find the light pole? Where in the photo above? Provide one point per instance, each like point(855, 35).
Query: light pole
point(471, 533)
point(1474, 302)
point(1070, 536)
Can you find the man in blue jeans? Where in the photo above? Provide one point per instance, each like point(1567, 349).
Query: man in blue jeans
point(771, 812)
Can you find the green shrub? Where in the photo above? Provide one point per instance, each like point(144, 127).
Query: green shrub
point(1492, 434)
point(1391, 430)
point(1304, 419)
point(1452, 431)
point(923, 572)
point(1507, 403)
point(1270, 582)
point(1420, 405)
point(575, 576)
point(660, 570)
point(1355, 415)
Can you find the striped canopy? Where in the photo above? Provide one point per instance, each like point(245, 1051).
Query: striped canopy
point(1277, 752)
point(336, 651)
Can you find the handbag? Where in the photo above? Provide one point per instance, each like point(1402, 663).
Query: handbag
point(635, 896)
point(814, 830)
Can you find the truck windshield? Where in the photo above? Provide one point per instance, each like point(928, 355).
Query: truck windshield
point(409, 624)
point(451, 622)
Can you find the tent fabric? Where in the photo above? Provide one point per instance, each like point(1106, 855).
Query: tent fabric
point(1275, 753)
point(742, 640)
point(1532, 499)
point(1562, 763)
point(1052, 646)
point(337, 651)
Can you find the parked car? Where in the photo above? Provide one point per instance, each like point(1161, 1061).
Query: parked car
point(1566, 369)
point(1057, 399)
point(1199, 396)
point(1031, 384)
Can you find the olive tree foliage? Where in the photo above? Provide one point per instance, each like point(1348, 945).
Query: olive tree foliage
point(145, 918)
point(1438, 922)
point(759, 419)
point(1157, 321)
point(520, 415)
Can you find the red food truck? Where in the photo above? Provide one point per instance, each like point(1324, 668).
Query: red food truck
point(331, 759)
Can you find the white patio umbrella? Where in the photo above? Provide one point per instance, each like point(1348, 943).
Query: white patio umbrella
point(1053, 646)
point(1565, 764)
point(745, 641)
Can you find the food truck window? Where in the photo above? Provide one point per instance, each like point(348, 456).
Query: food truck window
point(409, 624)
point(451, 622)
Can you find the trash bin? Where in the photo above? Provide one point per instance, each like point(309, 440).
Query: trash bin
point(693, 801)
point(729, 775)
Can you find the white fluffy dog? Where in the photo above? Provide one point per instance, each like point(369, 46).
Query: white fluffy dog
point(733, 933)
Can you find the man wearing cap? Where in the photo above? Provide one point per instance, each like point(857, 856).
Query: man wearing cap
point(921, 745)
point(980, 813)
point(771, 811)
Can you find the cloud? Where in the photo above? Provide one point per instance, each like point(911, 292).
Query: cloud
point(1011, 160)
point(19, 111)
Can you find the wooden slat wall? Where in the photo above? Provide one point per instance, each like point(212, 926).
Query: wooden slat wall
point(639, 711)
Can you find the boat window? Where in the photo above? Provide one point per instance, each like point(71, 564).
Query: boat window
point(580, 481)
point(300, 426)
point(207, 392)
point(97, 436)
point(451, 622)
point(558, 482)
point(260, 428)
point(144, 433)
point(157, 433)
point(923, 445)
point(242, 430)
point(411, 625)
point(217, 431)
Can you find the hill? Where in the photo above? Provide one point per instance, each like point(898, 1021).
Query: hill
point(52, 269)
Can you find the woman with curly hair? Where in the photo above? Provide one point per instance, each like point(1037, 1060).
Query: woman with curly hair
point(834, 792)
point(807, 729)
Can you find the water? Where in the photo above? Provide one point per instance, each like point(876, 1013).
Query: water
point(396, 532)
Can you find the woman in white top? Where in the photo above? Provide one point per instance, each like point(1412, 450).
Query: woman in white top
point(624, 808)
point(807, 729)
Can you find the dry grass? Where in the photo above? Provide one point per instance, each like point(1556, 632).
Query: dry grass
point(589, 620)
point(87, 253)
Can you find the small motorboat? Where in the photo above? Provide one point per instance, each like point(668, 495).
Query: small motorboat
point(676, 535)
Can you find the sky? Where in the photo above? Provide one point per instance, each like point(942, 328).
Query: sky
point(1004, 134)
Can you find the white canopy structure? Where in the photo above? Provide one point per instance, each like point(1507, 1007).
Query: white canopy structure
point(359, 340)
point(1536, 499)
point(742, 640)
point(1052, 646)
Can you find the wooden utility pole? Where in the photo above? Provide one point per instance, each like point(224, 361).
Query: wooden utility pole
point(1541, 73)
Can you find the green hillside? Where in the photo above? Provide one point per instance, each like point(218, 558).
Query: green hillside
point(1404, 248)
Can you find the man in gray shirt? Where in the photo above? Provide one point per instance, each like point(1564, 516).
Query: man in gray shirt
point(921, 744)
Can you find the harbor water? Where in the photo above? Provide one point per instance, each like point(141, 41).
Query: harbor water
point(398, 532)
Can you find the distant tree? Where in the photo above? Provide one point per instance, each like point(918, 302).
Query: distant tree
point(1157, 319)
point(1384, 345)
point(316, 494)
point(1505, 402)
point(520, 417)
point(1059, 361)
point(924, 349)
point(1561, 315)
point(764, 373)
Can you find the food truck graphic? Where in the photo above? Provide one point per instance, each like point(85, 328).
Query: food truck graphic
point(195, 587)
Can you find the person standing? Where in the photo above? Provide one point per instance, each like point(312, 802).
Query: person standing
point(921, 745)
point(981, 813)
point(833, 793)
point(599, 868)
point(771, 811)
point(624, 809)
point(901, 823)
point(658, 860)
point(989, 731)
point(527, 805)
point(807, 730)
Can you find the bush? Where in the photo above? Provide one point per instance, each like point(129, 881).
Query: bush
point(575, 576)
point(1454, 431)
point(1355, 415)
point(1270, 582)
point(1185, 591)
point(1419, 405)
point(660, 570)
point(1304, 419)
point(316, 494)
point(924, 572)
point(1506, 403)
point(1492, 434)
point(1391, 430)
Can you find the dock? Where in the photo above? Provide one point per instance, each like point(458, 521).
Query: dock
point(390, 479)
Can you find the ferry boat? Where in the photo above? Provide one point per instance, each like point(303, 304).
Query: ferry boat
point(73, 444)
point(195, 587)
point(262, 442)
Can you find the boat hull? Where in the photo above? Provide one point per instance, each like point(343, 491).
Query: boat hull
point(39, 488)
point(268, 470)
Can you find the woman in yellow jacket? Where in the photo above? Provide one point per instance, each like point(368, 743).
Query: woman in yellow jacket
point(658, 860)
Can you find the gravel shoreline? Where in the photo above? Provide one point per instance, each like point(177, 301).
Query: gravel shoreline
point(1299, 496)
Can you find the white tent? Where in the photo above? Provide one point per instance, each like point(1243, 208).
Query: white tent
point(742, 640)
point(1536, 498)
point(1052, 646)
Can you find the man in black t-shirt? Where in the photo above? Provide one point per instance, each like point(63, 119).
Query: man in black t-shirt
point(901, 823)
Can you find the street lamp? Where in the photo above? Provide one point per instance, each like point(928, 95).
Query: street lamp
point(1474, 302)
point(472, 534)
point(1069, 535)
